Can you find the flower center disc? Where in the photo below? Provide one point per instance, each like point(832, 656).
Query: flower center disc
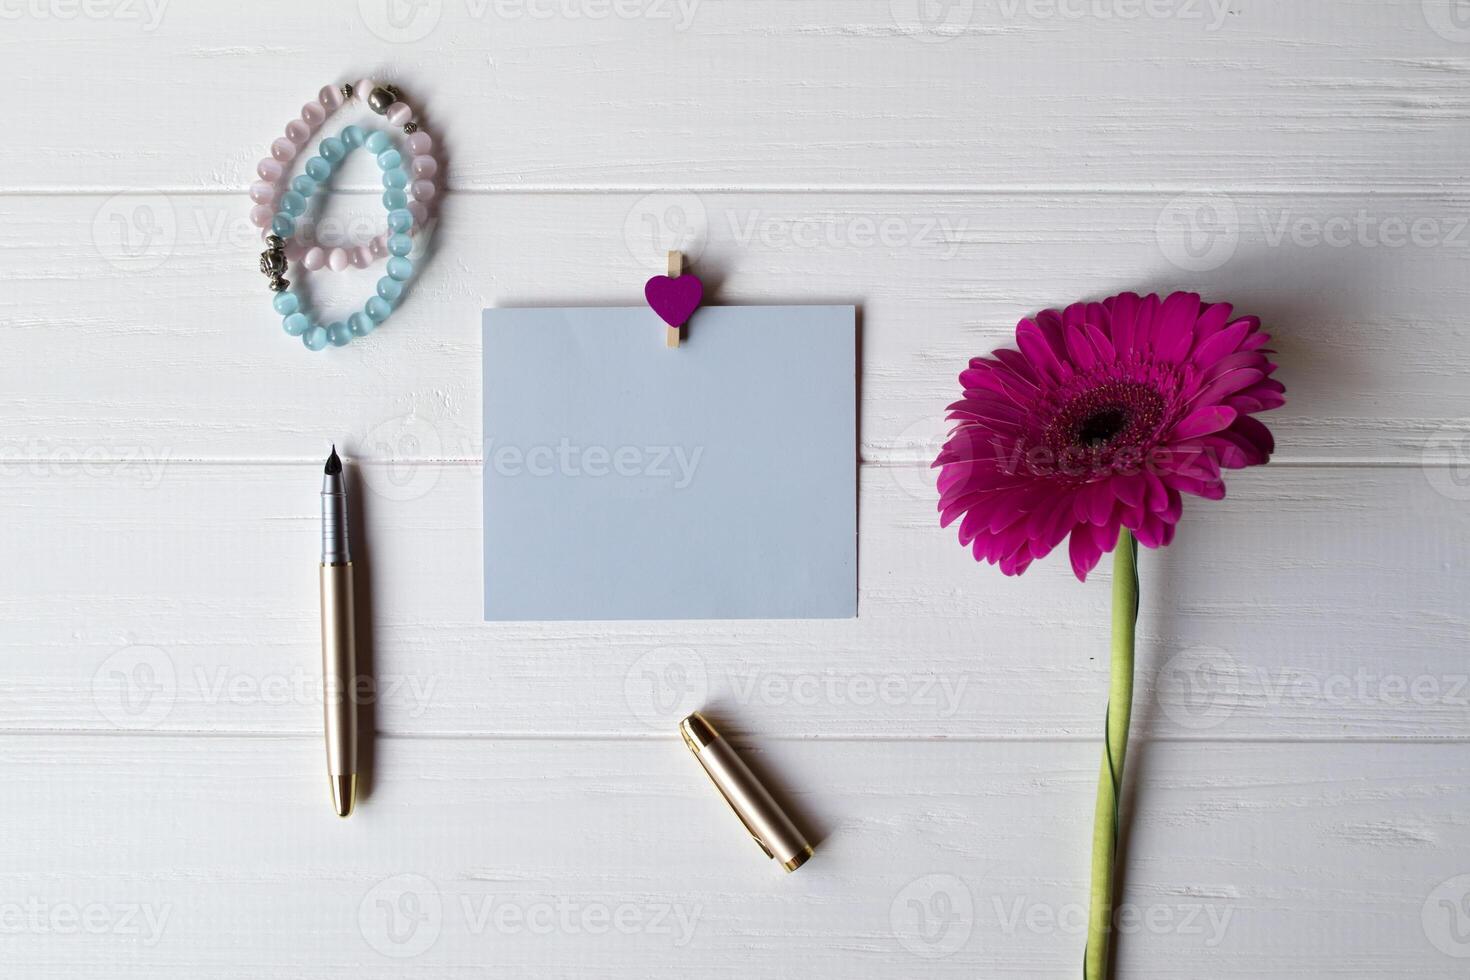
point(1114, 415)
point(1099, 428)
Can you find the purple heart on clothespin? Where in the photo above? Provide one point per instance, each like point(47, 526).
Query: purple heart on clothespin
point(674, 299)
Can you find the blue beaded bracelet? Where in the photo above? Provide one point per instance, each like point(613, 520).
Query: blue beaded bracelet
point(330, 154)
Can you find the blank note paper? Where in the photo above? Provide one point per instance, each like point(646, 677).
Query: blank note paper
point(628, 480)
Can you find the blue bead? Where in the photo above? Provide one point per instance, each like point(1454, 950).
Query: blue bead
point(377, 141)
point(296, 324)
point(361, 324)
point(293, 203)
point(303, 185)
point(397, 177)
point(286, 303)
point(338, 334)
point(399, 244)
point(393, 199)
point(283, 224)
point(315, 338)
point(400, 268)
point(332, 149)
point(353, 136)
point(318, 169)
point(390, 289)
point(400, 220)
point(377, 309)
point(390, 159)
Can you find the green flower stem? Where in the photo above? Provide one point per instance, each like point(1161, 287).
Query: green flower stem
point(1115, 751)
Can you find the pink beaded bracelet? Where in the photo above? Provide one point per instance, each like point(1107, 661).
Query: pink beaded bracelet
point(420, 163)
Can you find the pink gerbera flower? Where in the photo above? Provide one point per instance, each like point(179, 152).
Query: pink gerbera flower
point(1107, 415)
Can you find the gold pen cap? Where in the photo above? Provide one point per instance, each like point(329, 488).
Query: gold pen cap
point(763, 819)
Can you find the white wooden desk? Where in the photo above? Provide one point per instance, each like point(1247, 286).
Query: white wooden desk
point(1299, 770)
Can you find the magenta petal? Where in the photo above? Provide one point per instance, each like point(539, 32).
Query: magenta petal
point(1175, 334)
point(1150, 533)
point(1158, 494)
point(1130, 489)
point(1145, 328)
point(1084, 552)
point(1212, 319)
point(1234, 362)
point(1219, 345)
point(1038, 350)
point(1202, 422)
point(1101, 501)
point(1079, 348)
point(1122, 330)
point(1171, 513)
point(1101, 343)
point(1227, 385)
point(1017, 366)
point(1256, 432)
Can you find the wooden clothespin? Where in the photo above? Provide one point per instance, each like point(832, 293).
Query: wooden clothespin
point(674, 297)
point(676, 269)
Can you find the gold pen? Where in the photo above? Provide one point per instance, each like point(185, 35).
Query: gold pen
point(766, 822)
point(339, 641)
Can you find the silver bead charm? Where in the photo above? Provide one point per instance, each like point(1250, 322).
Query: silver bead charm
point(381, 98)
point(409, 128)
point(273, 263)
point(346, 92)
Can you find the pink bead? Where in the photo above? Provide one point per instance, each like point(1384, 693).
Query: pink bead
point(420, 143)
point(294, 250)
point(378, 246)
point(270, 170)
point(313, 115)
point(362, 88)
point(423, 190)
point(283, 150)
point(337, 259)
point(263, 192)
point(330, 97)
point(425, 167)
point(420, 212)
point(298, 132)
point(398, 114)
point(361, 257)
point(315, 258)
point(261, 215)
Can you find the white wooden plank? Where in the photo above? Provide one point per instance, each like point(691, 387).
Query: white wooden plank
point(681, 93)
point(1243, 861)
point(1314, 603)
point(1373, 339)
point(1302, 701)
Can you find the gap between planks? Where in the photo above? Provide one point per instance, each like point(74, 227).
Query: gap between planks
point(1432, 191)
point(743, 737)
point(1382, 463)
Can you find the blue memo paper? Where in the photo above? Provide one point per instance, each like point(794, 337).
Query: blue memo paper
point(628, 480)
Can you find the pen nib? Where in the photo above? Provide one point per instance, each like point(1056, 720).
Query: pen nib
point(334, 462)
